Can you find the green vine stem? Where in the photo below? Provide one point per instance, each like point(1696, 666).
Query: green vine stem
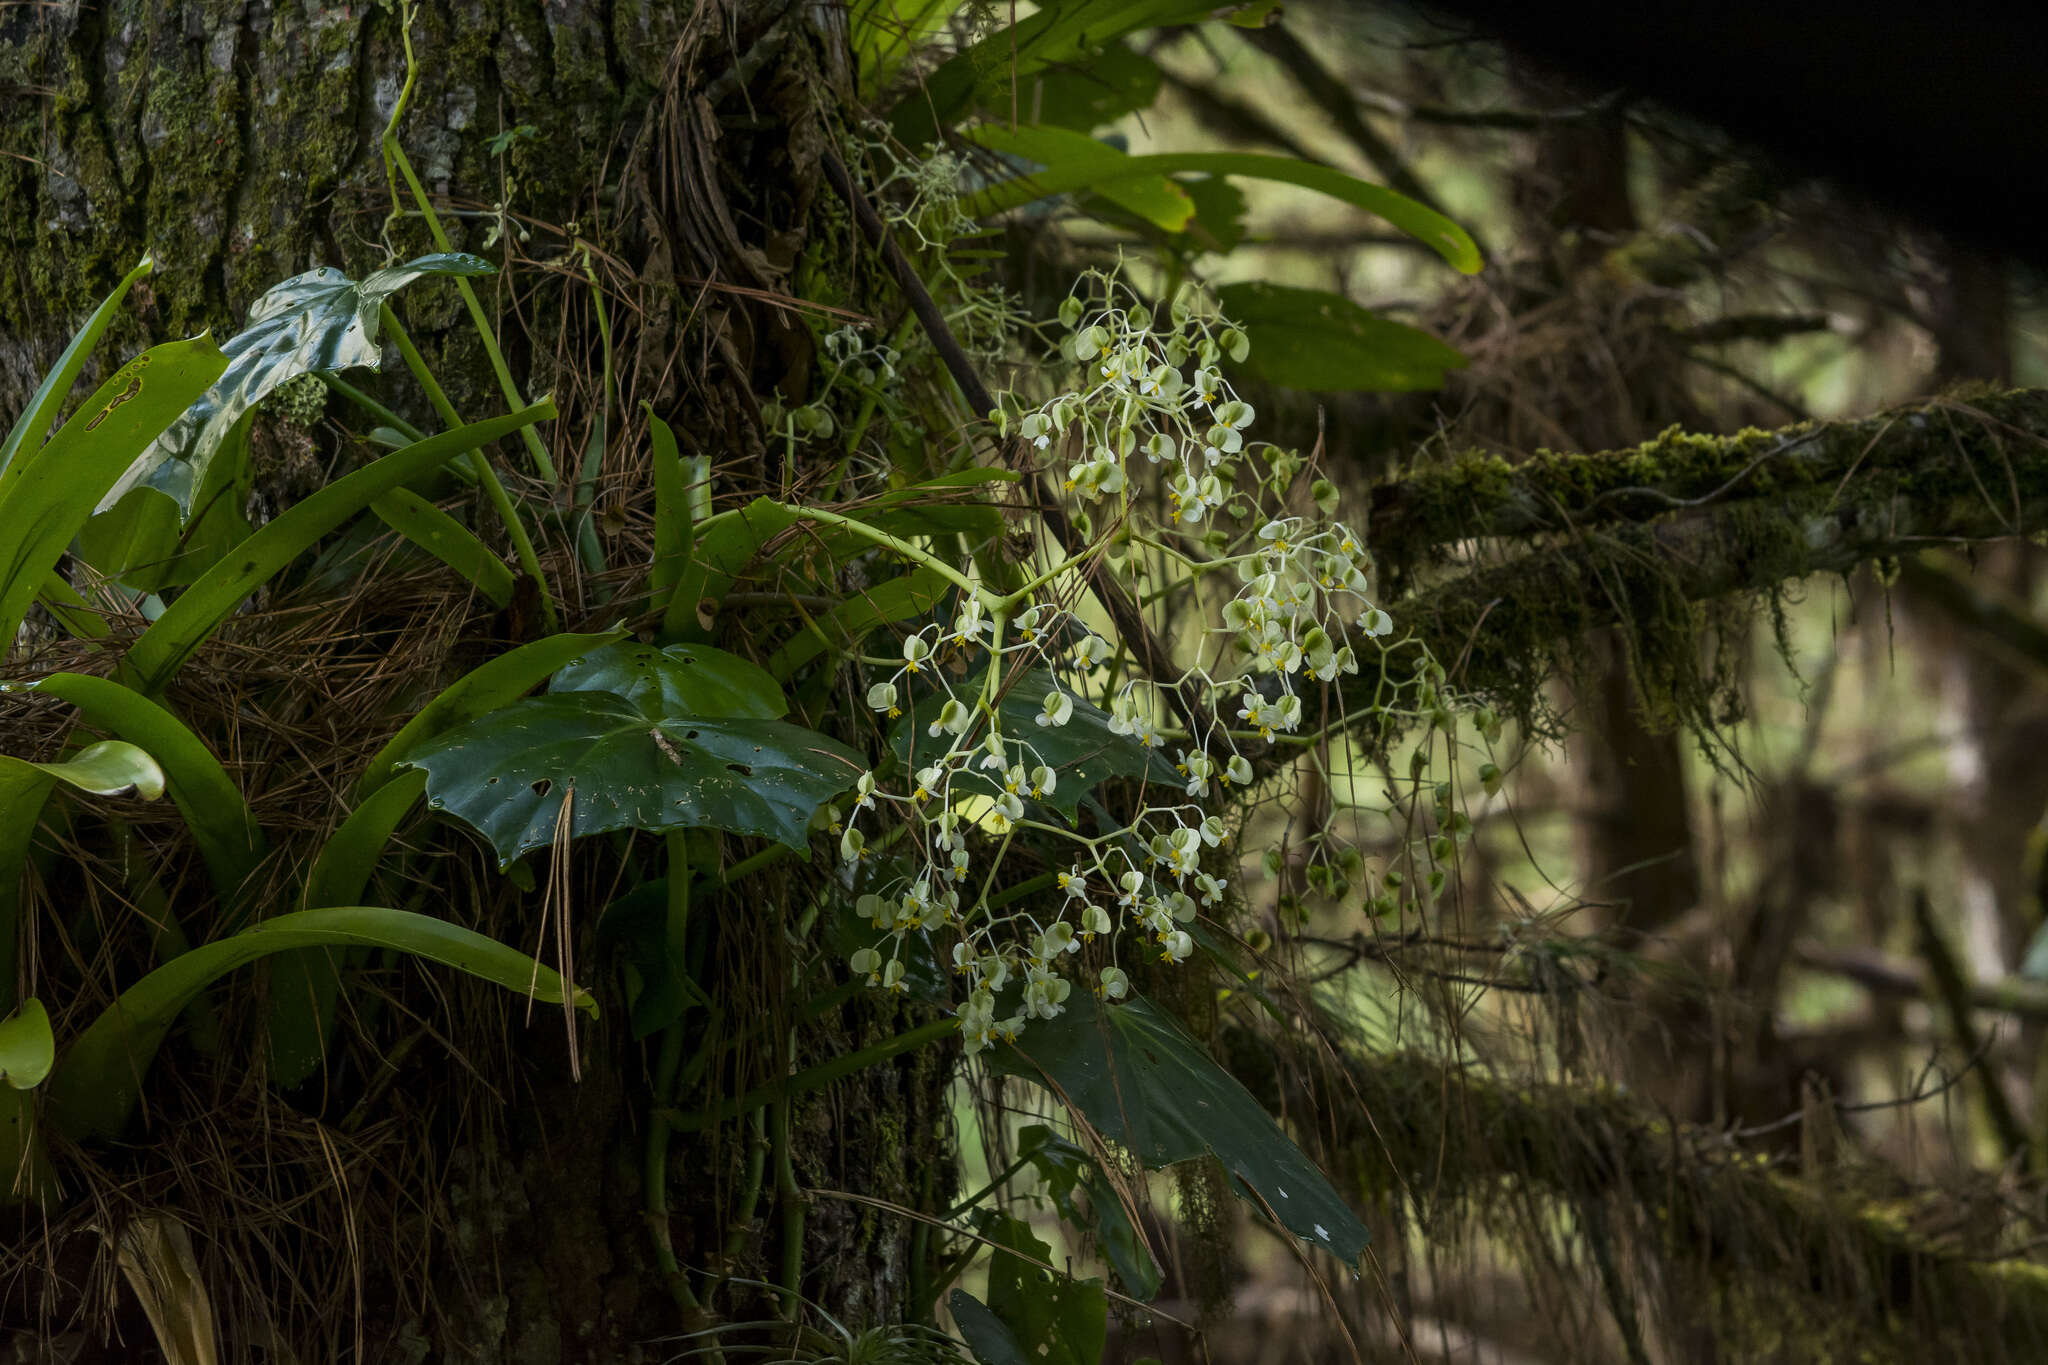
point(501, 501)
point(395, 163)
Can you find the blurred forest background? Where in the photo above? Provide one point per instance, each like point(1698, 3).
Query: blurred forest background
point(1798, 912)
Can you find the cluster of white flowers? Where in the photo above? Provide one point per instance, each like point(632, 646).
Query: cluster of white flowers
point(972, 788)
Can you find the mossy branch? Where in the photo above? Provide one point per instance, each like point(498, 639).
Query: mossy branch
point(1948, 444)
point(1635, 539)
point(1734, 1236)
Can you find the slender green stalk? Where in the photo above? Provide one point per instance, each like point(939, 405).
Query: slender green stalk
point(742, 1224)
point(501, 501)
point(989, 600)
point(795, 1206)
point(395, 160)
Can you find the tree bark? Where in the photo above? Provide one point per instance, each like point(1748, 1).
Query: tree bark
point(238, 142)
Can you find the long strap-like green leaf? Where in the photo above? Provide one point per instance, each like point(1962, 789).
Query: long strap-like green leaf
point(198, 612)
point(99, 1077)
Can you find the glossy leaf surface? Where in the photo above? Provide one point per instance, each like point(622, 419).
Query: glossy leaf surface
point(315, 323)
point(1144, 1083)
point(684, 747)
point(1313, 339)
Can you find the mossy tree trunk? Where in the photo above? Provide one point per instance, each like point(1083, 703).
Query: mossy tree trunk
point(237, 142)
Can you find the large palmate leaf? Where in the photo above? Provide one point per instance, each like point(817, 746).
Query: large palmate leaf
point(1143, 1083)
point(1084, 752)
point(97, 1081)
point(315, 323)
point(681, 680)
point(1033, 1314)
point(688, 744)
point(1103, 166)
point(1313, 339)
point(42, 507)
point(483, 689)
point(104, 769)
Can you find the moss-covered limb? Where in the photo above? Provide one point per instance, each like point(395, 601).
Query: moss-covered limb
point(1964, 443)
point(1882, 975)
point(1932, 474)
point(1464, 1148)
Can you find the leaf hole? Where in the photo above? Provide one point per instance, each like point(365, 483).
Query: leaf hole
point(742, 769)
point(689, 734)
point(544, 786)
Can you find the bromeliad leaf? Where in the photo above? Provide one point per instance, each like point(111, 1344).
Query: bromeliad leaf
point(315, 323)
point(95, 1088)
point(683, 748)
point(27, 1048)
point(1084, 752)
point(47, 497)
point(104, 769)
point(1143, 1083)
point(1313, 339)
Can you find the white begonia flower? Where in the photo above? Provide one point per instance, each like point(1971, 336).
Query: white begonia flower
point(929, 781)
point(865, 962)
point(1057, 939)
point(1114, 984)
point(1094, 920)
point(1056, 710)
point(1238, 770)
point(874, 910)
point(1073, 883)
point(1044, 781)
point(1161, 446)
point(955, 717)
point(892, 976)
point(1181, 906)
point(1375, 622)
point(916, 649)
point(1214, 831)
point(882, 697)
point(1092, 650)
point(970, 625)
point(1176, 946)
point(959, 865)
point(963, 957)
point(1210, 887)
point(853, 845)
point(995, 971)
point(1037, 428)
point(1016, 779)
point(1133, 884)
point(1209, 387)
point(1044, 993)
point(1278, 537)
point(864, 792)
